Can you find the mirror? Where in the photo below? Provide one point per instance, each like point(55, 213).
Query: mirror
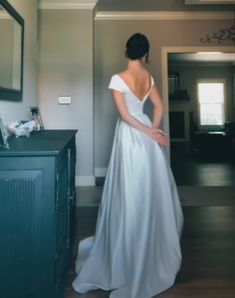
point(11, 52)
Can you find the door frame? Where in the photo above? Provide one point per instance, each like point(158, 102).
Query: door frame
point(164, 61)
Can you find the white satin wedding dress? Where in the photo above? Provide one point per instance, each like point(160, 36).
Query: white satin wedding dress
point(135, 252)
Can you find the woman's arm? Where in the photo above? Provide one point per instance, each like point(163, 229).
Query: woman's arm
point(119, 101)
point(156, 99)
point(158, 110)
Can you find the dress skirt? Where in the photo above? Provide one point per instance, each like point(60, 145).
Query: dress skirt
point(135, 252)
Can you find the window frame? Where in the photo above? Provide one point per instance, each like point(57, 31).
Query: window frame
point(211, 80)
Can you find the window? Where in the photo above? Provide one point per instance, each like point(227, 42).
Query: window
point(211, 102)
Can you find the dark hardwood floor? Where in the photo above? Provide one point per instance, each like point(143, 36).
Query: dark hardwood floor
point(208, 246)
point(216, 168)
point(208, 238)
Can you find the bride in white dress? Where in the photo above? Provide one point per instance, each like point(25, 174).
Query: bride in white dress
point(135, 252)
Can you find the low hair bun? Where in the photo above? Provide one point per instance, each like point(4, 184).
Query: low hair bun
point(137, 46)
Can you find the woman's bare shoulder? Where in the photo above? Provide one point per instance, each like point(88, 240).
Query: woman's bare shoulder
point(123, 73)
point(147, 72)
point(127, 75)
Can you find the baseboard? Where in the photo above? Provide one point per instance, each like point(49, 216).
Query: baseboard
point(100, 172)
point(85, 180)
point(91, 180)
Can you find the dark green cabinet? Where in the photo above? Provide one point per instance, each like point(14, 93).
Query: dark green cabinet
point(37, 203)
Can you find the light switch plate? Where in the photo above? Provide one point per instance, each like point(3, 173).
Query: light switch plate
point(64, 100)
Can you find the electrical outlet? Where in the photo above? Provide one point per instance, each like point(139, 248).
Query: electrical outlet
point(64, 100)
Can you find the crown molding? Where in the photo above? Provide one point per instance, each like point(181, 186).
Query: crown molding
point(70, 4)
point(163, 15)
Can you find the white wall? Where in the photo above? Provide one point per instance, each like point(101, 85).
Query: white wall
point(65, 38)
point(66, 68)
point(10, 110)
point(110, 38)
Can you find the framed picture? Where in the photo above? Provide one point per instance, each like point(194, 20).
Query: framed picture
point(3, 137)
point(36, 115)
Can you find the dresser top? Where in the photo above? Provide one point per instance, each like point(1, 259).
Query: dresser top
point(42, 142)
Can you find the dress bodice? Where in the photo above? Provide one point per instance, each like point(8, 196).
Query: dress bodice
point(134, 104)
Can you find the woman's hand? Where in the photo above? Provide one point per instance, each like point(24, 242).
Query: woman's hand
point(158, 136)
point(162, 139)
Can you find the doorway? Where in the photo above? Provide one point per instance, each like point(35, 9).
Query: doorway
point(194, 159)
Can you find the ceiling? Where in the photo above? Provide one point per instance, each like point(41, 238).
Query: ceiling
point(199, 2)
point(162, 5)
point(143, 5)
point(227, 58)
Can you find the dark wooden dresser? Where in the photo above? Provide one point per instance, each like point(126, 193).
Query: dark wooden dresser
point(37, 203)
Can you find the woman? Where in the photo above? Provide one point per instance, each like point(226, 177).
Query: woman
point(135, 252)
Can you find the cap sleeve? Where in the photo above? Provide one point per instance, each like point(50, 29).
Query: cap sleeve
point(116, 84)
point(152, 81)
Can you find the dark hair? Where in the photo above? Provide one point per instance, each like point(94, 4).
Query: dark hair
point(137, 46)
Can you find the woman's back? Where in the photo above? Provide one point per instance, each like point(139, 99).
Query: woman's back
point(138, 80)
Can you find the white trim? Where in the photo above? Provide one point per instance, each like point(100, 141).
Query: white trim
point(100, 172)
point(85, 180)
point(163, 15)
point(43, 4)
